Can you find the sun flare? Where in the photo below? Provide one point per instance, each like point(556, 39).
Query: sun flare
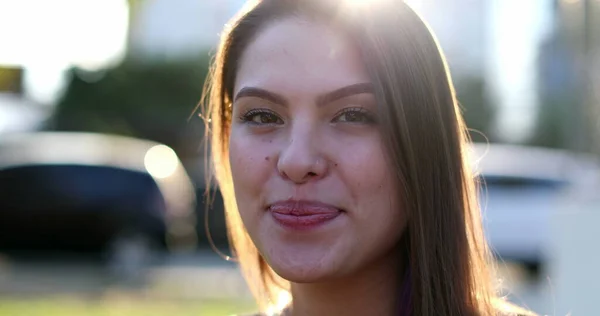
point(359, 4)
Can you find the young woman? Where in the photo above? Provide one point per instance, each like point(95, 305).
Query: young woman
point(341, 153)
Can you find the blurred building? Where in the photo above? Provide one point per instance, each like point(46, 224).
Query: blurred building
point(569, 72)
point(17, 113)
point(582, 19)
point(497, 40)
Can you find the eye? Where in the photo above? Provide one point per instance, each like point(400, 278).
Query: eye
point(261, 117)
point(355, 115)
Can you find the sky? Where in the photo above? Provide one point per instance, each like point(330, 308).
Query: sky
point(58, 34)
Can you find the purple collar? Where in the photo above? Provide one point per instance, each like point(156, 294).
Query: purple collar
point(405, 304)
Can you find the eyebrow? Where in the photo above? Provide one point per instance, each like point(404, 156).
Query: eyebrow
point(260, 93)
point(326, 98)
point(345, 92)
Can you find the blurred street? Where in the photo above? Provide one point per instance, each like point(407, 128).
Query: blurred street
point(200, 276)
point(199, 284)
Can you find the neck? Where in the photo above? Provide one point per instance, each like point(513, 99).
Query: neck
point(375, 290)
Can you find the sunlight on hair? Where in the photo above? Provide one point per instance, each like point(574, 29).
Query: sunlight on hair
point(416, 5)
point(366, 2)
point(284, 298)
point(358, 2)
point(361, 3)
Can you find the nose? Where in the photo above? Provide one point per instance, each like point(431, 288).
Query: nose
point(302, 160)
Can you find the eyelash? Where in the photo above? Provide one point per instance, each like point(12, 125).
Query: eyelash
point(248, 117)
point(368, 117)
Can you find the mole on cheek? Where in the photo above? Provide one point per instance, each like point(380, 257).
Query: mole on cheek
point(267, 158)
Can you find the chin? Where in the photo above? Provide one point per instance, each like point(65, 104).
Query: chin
point(302, 267)
point(306, 275)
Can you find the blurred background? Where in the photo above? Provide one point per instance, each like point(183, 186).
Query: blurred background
point(102, 184)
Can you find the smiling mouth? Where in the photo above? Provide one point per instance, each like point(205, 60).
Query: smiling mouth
point(303, 215)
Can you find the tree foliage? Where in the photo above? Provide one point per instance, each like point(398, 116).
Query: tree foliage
point(151, 100)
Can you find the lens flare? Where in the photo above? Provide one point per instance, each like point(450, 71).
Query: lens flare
point(360, 3)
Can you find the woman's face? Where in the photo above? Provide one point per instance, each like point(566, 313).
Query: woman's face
point(312, 184)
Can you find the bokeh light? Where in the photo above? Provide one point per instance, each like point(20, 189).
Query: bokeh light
point(161, 161)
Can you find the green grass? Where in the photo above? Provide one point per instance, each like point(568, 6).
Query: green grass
point(120, 307)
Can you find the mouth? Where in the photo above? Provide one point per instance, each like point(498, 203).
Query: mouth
point(303, 215)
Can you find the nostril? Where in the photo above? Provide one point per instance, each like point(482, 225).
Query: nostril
point(312, 174)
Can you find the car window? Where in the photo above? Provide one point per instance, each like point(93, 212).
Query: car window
point(518, 195)
point(520, 183)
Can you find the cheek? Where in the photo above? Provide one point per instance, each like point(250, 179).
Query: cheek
point(250, 164)
point(370, 180)
point(366, 170)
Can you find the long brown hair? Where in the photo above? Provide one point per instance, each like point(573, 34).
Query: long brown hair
point(426, 139)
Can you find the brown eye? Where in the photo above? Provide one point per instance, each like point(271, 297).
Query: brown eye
point(261, 117)
point(355, 115)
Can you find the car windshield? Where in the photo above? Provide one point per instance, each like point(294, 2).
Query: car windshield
point(81, 187)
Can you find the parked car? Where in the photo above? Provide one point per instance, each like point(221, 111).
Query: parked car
point(92, 193)
point(521, 189)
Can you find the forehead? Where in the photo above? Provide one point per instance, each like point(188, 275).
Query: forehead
point(294, 55)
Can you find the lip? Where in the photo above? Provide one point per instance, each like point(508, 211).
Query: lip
point(303, 215)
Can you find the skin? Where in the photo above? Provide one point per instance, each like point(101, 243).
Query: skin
point(306, 140)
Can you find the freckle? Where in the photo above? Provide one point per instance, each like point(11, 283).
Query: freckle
point(335, 164)
point(267, 158)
